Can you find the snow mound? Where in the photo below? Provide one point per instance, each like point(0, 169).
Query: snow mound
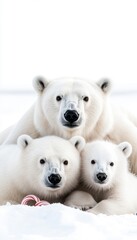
point(56, 221)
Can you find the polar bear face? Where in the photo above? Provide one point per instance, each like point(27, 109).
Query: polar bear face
point(71, 103)
point(103, 163)
point(51, 164)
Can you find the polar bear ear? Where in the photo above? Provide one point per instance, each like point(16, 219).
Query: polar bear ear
point(39, 84)
point(105, 85)
point(126, 148)
point(23, 141)
point(78, 142)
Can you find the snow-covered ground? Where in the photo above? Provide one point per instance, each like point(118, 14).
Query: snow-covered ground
point(57, 221)
point(13, 105)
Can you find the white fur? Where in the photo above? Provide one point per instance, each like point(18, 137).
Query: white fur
point(21, 172)
point(80, 199)
point(98, 119)
point(117, 193)
point(46, 115)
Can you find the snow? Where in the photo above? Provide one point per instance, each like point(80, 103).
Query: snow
point(13, 105)
point(57, 221)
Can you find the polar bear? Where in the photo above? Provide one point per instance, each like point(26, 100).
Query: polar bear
point(40, 167)
point(68, 107)
point(107, 178)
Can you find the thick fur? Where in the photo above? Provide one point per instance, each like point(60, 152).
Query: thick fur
point(26, 167)
point(46, 116)
point(116, 193)
point(98, 119)
point(80, 199)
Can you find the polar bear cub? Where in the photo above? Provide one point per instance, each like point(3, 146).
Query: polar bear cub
point(107, 178)
point(105, 171)
point(48, 167)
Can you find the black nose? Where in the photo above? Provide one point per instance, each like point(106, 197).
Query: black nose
point(71, 116)
point(54, 178)
point(101, 176)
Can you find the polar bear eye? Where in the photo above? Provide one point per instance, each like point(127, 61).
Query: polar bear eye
point(86, 99)
point(93, 162)
point(65, 162)
point(111, 164)
point(42, 161)
point(58, 98)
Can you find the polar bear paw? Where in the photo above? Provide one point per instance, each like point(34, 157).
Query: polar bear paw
point(80, 207)
point(80, 200)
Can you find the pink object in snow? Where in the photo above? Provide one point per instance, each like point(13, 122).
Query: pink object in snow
point(35, 199)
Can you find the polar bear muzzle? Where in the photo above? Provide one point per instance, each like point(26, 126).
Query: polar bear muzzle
point(71, 116)
point(101, 177)
point(54, 179)
point(71, 119)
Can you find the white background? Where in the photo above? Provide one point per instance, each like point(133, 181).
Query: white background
point(56, 38)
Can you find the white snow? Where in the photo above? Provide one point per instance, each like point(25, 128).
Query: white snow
point(57, 221)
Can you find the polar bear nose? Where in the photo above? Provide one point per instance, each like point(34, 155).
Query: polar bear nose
point(54, 178)
point(71, 116)
point(101, 176)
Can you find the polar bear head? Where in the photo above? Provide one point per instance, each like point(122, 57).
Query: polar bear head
point(70, 107)
point(104, 163)
point(50, 165)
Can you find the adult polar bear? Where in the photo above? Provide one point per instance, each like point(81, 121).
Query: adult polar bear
point(65, 108)
point(69, 107)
